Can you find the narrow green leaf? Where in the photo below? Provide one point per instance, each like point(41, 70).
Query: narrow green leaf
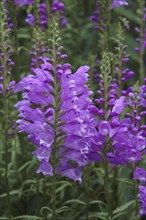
point(75, 201)
point(118, 215)
point(123, 207)
point(97, 202)
point(24, 217)
point(99, 215)
point(63, 209)
point(14, 192)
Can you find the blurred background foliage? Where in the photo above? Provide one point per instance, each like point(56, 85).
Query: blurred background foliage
point(31, 193)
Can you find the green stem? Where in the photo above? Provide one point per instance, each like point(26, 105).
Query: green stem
point(5, 142)
point(16, 44)
point(86, 185)
point(54, 197)
point(115, 187)
point(56, 119)
point(136, 199)
point(107, 191)
point(108, 43)
point(141, 15)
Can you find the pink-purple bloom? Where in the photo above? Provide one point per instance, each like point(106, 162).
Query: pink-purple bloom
point(23, 2)
point(142, 198)
point(140, 174)
point(57, 7)
point(77, 123)
point(118, 3)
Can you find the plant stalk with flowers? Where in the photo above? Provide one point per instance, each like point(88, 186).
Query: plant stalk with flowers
point(75, 131)
point(141, 30)
point(6, 87)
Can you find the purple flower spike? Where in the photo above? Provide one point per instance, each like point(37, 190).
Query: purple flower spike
point(77, 122)
point(142, 198)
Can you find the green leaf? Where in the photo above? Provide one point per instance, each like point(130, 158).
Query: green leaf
point(3, 218)
point(75, 201)
point(125, 180)
point(63, 186)
point(23, 166)
point(45, 209)
point(24, 217)
point(63, 209)
point(97, 202)
point(99, 215)
point(13, 192)
point(123, 207)
point(118, 215)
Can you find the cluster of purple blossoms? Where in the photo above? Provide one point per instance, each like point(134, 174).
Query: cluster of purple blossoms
point(140, 174)
point(76, 131)
point(56, 8)
point(23, 2)
point(6, 62)
point(138, 31)
point(37, 55)
point(126, 137)
point(99, 16)
point(121, 135)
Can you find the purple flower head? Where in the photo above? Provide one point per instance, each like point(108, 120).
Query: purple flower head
point(98, 16)
point(140, 174)
point(104, 128)
point(119, 105)
point(118, 3)
point(23, 2)
point(142, 199)
point(77, 123)
point(57, 7)
point(30, 19)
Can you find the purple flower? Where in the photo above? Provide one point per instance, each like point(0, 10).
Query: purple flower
point(77, 123)
point(119, 105)
point(30, 19)
point(140, 174)
point(104, 128)
point(118, 3)
point(23, 2)
point(57, 7)
point(98, 17)
point(142, 198)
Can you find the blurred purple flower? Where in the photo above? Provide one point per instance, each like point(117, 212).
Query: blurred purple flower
point(23, 2)
point(118, 3)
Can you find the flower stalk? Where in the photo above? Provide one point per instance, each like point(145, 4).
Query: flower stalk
point(5, 52)
point(141, 43)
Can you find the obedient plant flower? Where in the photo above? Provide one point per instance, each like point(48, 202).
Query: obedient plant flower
point(140, 175)
point(6, 62)
point(124, 132)
point(142, 198)
point(57, 114)
point(142, 36)
point(57, 8)
point(75, 121)
point(118, 3)
point(23, 2)
point(99, 15)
